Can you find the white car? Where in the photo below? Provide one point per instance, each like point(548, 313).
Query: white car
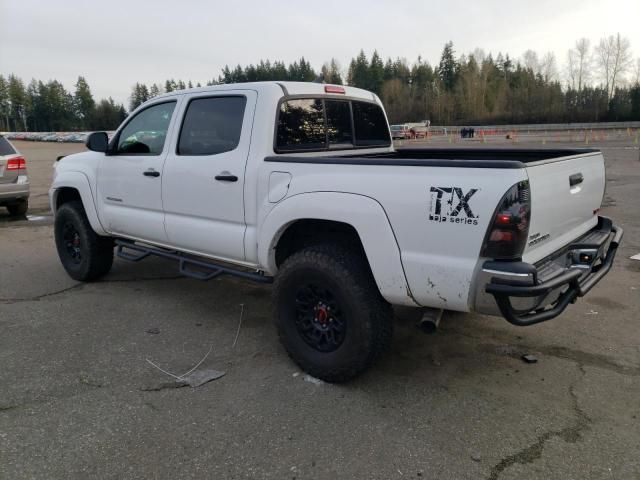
point(300, 183)
point(400, 132)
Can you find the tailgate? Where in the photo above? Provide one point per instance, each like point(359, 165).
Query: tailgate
point(565, 196)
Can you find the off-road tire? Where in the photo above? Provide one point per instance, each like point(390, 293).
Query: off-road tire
point(95, 252)
point(367, 316)
point(18, 209)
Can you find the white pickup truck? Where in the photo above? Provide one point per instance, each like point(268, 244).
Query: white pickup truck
point(299, 183)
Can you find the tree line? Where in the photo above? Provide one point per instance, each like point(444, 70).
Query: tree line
point(596, 84)
point(40, 106)
point(599, 83)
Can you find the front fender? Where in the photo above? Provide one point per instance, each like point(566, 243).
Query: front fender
point(364, 214)
point(80, 182)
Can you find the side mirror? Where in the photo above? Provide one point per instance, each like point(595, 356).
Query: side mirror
point(97, 142)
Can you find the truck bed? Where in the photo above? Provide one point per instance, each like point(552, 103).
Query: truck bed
point(565, 188)
point(443, 157)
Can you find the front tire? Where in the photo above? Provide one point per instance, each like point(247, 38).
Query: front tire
point(330, 316)
point(84, 254)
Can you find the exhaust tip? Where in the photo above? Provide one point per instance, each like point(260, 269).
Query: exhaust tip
point(430, 320)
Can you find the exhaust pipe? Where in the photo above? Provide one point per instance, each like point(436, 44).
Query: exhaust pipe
point(430, 320)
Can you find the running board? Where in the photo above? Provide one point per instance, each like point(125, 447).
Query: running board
point(206, 270)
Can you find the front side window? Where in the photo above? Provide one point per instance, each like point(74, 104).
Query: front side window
point(212, 125)
point(146, 133)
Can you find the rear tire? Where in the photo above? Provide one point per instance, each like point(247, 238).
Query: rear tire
point(84, 254)
point(330, 316)
point(18, 209)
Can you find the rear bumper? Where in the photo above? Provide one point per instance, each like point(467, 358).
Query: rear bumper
point(527, 294)
point(10, 192)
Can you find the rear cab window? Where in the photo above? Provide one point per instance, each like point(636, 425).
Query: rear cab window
point(5, 147)
point(370, 124)
point(327, 123)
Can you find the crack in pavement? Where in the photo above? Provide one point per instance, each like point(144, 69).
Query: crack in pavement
point(570, 434)
point(6, 408)
point(35, 298)
point(578, 356)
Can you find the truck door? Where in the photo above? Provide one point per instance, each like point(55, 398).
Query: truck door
point(130, 176)
point(203, 181)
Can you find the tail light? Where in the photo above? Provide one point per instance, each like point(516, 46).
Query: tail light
point(509, 230)
point(16, 163)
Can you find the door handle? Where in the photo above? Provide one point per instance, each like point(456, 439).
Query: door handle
point(151, 173)
point(226, 178)
point(576, 179)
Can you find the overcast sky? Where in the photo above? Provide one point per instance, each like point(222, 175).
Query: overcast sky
point(115, 43)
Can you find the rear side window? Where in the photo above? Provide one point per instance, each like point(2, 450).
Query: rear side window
point(370, 125)
point(212, 125)
point(5, 147)
point(322, 124)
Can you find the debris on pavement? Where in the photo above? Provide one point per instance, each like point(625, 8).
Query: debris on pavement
point(200, 377)
point(635, 257)
point(193, 377)
point(529, 358)
point(153, 331)
point(193, 380)
point(314, 380)
point(591, 312)
point(476, 457)
point(235, 340)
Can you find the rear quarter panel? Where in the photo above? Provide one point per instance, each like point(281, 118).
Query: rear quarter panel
point(439, 249)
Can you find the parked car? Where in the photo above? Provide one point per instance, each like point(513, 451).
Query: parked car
point(418, 132)
point(14, 181)
point(400, 132)
point(300, 184)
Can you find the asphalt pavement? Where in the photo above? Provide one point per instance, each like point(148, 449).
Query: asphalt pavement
point(80, 399)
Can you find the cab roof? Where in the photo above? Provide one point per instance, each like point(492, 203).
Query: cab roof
point(285, 88)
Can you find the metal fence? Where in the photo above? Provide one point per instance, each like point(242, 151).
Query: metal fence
point(541, 127)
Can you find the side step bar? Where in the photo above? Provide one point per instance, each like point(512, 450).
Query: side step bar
point(206, 270)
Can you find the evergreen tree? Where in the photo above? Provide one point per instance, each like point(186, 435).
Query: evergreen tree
point(448, 68)
point(5, 104)
point(139, 95)
point(359, 71)
point(83, 103)
point(17, 98)
point(331, 73)
point(154, 90)
point(376, 73)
